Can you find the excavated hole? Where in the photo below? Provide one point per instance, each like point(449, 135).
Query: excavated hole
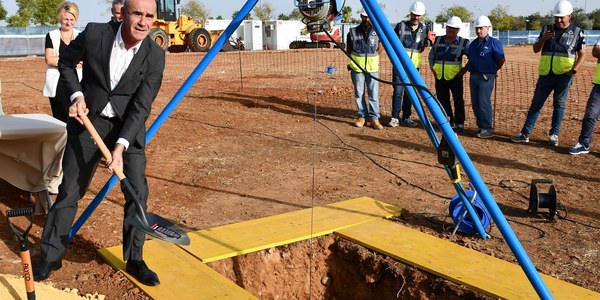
point(340, 270)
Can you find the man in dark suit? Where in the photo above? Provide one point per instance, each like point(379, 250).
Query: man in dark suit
point(122, 74)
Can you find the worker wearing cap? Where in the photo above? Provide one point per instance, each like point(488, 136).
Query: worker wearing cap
point(445, 59)
point(486, 57)
point(592, 110)
point(563, 53)
point(364, 48)
point(413, 36)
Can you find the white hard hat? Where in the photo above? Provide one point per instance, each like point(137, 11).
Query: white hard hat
point(562, 8)
point(418, 8)
point(454, 22)
point(363, 13)
point(483, 21)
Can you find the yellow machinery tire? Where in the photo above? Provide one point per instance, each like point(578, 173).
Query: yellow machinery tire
point(199, 40)
point(160, 37)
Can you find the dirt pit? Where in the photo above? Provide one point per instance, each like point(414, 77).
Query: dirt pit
point(331, 267)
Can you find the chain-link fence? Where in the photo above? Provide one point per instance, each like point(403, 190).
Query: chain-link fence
point(298, 74)
point(23, 41)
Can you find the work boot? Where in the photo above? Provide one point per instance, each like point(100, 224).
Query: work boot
point(360, 123)
point(375, 124)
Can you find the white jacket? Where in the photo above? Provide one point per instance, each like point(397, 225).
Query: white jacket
point(52, 73)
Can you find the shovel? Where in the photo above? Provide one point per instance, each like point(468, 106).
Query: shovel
point(24, 247)
point(151, 224)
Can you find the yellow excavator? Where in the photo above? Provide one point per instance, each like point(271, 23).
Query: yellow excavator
point(176, 33)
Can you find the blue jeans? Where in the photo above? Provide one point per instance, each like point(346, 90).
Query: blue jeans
point(481, 98)
point(592, 112)
point(545, 85)
point(400, 98)
point(359, 80)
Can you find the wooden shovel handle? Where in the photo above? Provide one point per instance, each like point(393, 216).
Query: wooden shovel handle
point(98, 140)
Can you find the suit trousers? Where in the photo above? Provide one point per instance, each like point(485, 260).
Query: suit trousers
point(80, 161)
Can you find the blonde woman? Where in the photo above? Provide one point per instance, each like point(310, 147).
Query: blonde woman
point(56, 41)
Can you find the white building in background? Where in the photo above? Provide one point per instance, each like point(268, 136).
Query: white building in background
point(279, 34)
point(251, 32)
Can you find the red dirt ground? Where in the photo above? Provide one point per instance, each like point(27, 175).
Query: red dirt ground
point(230, 153)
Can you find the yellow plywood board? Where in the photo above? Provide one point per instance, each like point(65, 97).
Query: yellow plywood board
point(481, 272)
point(181, 275)
point(259, 234)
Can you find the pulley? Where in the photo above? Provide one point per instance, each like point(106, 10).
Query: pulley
point(447, 158)
point(313, 10)
point(539, 200)
point(317, 13)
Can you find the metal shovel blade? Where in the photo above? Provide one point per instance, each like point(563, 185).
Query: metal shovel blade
point(160, 228)
point(152, 224)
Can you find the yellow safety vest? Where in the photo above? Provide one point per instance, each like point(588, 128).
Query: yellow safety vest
point(415, 57)
point(364, 50)
point(448, 61)
point(597, 75)
point(559, 54)
point(414, 46)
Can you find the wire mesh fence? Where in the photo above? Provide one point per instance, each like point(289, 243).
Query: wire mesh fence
point(297, 73)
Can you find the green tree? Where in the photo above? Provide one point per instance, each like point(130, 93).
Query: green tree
point(263, 12)
point(235, 12)
point(295, 14)
point(500, 18)
point(346, 14)
point(283, 17)
point(581, 19)
point(535, 21)
point(195, 9)
point(595, 17)
point(34, 12)
point(456, 10)
point(2, 11)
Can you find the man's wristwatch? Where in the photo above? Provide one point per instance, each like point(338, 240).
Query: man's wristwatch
point(573, 72)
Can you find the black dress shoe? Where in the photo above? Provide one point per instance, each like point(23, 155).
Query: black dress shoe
point(141, 272)
point(45, 268)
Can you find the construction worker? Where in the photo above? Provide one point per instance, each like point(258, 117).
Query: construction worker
point(364, 48)
point(413, 36)
point(592, 110)
point(563, 53)
point(445, 59)
point(486, 57)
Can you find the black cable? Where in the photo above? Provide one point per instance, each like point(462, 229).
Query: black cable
point(542, 233)
point(572, 220)
point(378, 164)
point(520, 184)
point(523, 184)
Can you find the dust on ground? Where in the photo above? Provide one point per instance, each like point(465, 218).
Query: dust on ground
point(229, 154)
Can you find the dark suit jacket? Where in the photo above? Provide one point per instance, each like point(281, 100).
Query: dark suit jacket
point(133, 96)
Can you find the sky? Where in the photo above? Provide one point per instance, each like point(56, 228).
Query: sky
point(98, 10)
